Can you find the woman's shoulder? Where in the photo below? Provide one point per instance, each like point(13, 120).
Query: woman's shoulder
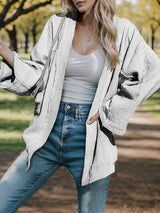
point(126, 26)
point(58, 16)
point(124, 23)
point(55, 19)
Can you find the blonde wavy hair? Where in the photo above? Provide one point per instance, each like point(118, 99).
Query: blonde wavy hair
point(104, 11)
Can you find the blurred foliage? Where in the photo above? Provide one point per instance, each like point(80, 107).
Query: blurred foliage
point(28, 25)
point(11, 10)
point(145, 14)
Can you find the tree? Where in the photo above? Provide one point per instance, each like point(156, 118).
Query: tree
point(146, 15)
point(12, 34)
point(151, 12)
point(10, 10)
point(158, 2)
point(33, 23)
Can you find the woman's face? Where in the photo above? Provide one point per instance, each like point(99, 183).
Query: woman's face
point(83, 5)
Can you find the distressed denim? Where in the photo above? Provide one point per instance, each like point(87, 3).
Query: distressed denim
point(65, 146)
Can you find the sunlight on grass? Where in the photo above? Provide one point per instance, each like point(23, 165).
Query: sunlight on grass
point(16, 112)
point(8, 114)
point(8, 96)
point(10, 135)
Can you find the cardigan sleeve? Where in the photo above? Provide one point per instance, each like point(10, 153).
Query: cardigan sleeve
point(24, 75)
point(139, 80)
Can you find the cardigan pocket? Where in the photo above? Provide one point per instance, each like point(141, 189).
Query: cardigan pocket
point(107, 132)
point(105, 150)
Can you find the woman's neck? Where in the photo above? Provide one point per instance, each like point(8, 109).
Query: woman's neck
point(85, 20)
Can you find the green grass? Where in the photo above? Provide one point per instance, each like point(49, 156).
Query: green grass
point(152, 105)
point(16, 113)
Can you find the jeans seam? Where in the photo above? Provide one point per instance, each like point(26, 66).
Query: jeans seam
point(31, 187)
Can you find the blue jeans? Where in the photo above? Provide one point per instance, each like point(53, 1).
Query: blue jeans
point(65, 146)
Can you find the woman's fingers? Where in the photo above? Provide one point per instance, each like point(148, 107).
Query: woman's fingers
point(93, 118)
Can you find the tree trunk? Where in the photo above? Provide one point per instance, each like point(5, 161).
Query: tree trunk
point(34, 31)
point(13, 38)
point(152, 36)
point(26, 42)
point(34, 36)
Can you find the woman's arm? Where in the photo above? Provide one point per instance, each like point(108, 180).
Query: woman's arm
point(21, 76)
point(140, 79)
point(6, 53)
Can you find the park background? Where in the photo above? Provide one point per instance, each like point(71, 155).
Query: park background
point(135, 187)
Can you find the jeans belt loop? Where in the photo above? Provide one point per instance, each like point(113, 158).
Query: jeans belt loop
point(77, 113)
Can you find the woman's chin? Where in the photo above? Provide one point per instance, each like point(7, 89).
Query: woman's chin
point(82, 10)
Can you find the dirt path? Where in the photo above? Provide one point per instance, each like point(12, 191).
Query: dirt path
point(134, 188)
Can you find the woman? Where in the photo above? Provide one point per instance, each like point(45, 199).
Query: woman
point(89, 56)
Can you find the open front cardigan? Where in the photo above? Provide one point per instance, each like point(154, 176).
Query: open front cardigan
point(119, 92)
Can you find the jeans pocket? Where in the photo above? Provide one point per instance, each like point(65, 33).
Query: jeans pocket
point(83, 115)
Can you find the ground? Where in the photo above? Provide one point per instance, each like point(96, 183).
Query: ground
point(134, 187)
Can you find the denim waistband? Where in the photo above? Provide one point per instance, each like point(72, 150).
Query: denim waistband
point(76, 106)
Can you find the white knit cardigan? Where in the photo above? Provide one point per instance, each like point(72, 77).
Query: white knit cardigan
point(120, 91)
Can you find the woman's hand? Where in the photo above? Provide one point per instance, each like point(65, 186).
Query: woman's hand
point(93, 118)
point(6, 53)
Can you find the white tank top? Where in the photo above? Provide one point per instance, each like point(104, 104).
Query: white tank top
point(81, 76)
